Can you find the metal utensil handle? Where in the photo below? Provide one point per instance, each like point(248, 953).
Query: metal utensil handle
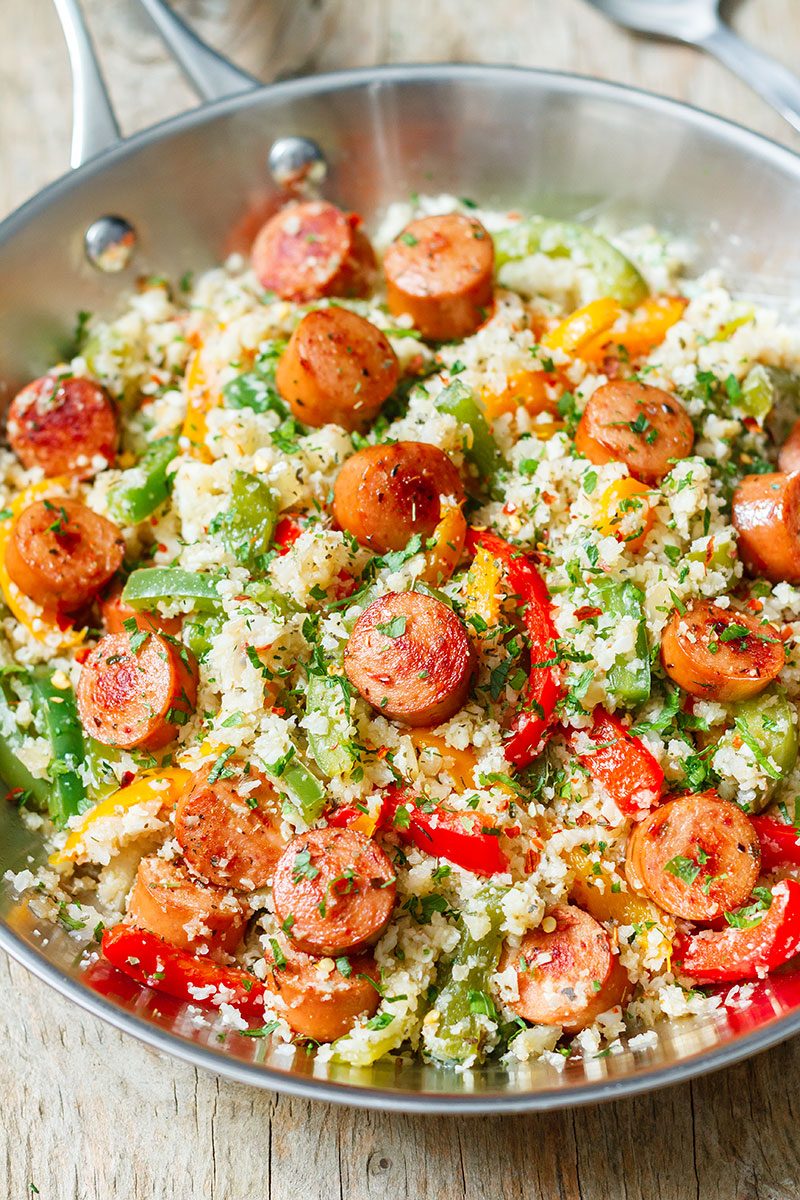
point(765, 75)
point(94, 123)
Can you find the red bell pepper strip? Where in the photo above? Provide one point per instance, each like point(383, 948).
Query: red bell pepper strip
point(780, 843)
point(157, 964)
point(287, 531)
point(543, 690)
point(752, 1004)
point(734, 955)
point(459, 837)
point(621, 763)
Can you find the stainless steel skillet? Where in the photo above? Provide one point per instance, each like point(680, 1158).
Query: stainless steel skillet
point(508, 137)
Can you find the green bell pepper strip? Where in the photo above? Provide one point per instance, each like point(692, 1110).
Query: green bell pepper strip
point(147, 586)
point(628, 681)
point(13, 771)
point(246, 527)
point(458, 401)
point(330, 749)
point(60, 713)
point(199, 632)
point(765, 725)
point(304, 791)
point(459, 1034)
point(145, 487)
point(615, 274)
point(772, 396)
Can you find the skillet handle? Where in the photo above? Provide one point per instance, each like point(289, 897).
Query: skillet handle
point(211, 75)
point(94, 125)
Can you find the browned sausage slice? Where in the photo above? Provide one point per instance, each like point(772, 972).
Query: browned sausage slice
point(334, 891)
point(789, 456)
point(311, 250)
point(313, 995)
point(230, 828)
point(337, 369)
point(696, 857)
point(569, 975)
point(719, 653)
point(61, 554)
point(410, 657)
point(766, 514)
point(166, 901)
point(385, 494)
point(136, 693)
point(644, 427)
point(64, 426)
point(439, 272)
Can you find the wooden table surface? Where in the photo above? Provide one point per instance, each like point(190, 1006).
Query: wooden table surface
point(88, 1114)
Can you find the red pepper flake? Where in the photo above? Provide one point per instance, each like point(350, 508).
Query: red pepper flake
point(162, 548)
point(709, 550)
point(531, 860)
point(513, 831)
point(586, 612)
point(548, 498)
point(127, 778)
point(509, 508)
point(82, 654)
point(754, 604)
point(278, 710)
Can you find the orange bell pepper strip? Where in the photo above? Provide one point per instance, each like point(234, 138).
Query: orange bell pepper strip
point(459, 764)
point(620, 500)
point(42, 624)
point(643, 330)
point(199, 401)
point(165, 785)
point(581, 327)
point(527, 389)
point(591, 888)
point(446, 546)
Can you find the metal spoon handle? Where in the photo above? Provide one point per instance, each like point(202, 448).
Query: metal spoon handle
point(773, 82)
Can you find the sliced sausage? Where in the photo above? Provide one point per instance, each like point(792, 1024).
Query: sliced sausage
point(644, 427)
point(311, 250)
point(385, 494)
point(334, 891)
point(166, 901)
point(789, 455)
point(135, 692)
point(696, 857)
point(766, 514)
point(569, 975)
point(439, 272)
point(720, 654)
point(117, 616)
point(64, 426)
point(337, 369)
point(313, 995)
point(410, 657)
point(229, 827)
point(61, 554)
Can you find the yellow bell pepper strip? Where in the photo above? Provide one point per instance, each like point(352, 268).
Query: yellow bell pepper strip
point(593, 889)
point(199, 401)
point(40, 623)
point(165, 785)
point(581, 327)
point(639, 334)
point(615, 274)
point(525, 388)
point(445, 547)
point(482, 591)
point(623, 502)
point(459, 764)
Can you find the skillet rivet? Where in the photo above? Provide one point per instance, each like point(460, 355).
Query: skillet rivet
point(298, 163)
point(109, 243)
